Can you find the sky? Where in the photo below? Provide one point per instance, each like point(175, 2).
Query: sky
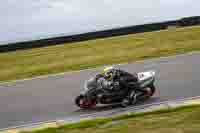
point(33, 19)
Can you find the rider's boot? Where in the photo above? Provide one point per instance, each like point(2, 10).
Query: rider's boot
point(125, 102)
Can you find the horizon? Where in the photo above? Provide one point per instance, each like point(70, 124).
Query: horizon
point(29, 19)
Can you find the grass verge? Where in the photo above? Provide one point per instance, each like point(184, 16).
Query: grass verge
point(81, 55)
point(178, 120)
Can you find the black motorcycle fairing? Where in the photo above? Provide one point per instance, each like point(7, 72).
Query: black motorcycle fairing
point(97, 91)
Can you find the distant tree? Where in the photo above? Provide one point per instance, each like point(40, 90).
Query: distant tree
point(189, 21)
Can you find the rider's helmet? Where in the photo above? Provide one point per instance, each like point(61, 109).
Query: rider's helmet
point(108, 72)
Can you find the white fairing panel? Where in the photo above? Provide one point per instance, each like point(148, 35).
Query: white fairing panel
point(145, 75)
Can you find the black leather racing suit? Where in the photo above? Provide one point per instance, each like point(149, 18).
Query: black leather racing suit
point(121, 81)
point(125, 79)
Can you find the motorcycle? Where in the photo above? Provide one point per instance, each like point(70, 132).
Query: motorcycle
point(93, 93)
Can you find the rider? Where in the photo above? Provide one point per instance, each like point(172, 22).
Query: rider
point(118, 79)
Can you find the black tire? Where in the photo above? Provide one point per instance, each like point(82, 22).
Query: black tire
point(77, 100)
point(153, 89)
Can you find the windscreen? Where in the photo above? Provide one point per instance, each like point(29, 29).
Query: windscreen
point(90, 84)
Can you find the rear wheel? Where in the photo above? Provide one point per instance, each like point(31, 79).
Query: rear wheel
point(153, 89)
point(134, 96)
point(150, 90)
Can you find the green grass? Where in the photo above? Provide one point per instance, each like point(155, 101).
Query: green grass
point(75, 56)
point(178, 120)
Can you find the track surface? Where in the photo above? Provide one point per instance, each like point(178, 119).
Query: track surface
point(52, 97)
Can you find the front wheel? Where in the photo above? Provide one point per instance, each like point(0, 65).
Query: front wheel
point(81, 102)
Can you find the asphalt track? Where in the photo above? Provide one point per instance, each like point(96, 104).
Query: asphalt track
point(52, 97)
